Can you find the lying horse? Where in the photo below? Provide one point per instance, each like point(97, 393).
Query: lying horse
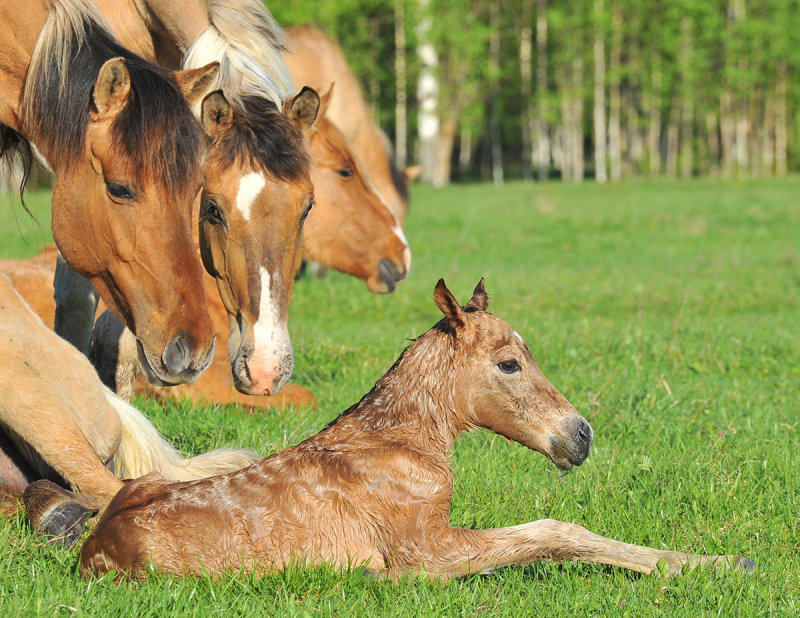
point(317, 60)
point(74, 424)
point(374, 487)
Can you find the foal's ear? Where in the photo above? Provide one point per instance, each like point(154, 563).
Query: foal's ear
point(448, 305)
point(480, 299)
point(216, 114)
point(111, 90)
point(195, 83)
point(302, 109)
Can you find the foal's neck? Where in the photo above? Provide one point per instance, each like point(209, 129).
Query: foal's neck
point(413, 403)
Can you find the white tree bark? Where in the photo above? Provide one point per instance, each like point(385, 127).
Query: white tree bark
point(427, 99)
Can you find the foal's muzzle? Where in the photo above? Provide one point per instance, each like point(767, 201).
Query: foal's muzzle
point(572, 447)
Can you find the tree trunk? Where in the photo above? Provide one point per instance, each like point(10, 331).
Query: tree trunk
point(444, 155)
point(781, 118)
point(687, 99)
point(541, 131)
point(712, 136)
point(599, 104)
point(526, 79)
point(373, 83)
point(673, 120)
point(401, 84)
point(615, 95)
point(653, 105)
point(465, 151)
point(578, 163)
point(427, 99)
point(494, 93)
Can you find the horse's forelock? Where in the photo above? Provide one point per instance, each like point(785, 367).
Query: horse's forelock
point(156, 129)
point(264, 137)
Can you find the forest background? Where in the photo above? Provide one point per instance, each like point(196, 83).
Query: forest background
point(575, 89)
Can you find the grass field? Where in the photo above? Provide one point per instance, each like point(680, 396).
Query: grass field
point(667, 312)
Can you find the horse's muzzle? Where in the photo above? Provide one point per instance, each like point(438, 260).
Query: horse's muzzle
point(390, 274)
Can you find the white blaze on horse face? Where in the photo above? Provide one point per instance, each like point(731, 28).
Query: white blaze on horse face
point(250, 186)
point(521, 340)
point(397, 228)
point(269, 329)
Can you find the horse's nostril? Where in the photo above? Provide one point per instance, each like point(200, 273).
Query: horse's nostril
point(390, 273)
point(177, 355)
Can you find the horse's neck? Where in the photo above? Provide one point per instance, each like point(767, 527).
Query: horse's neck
point(411, 404)
point(22, 28)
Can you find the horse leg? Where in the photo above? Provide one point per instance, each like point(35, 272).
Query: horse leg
point(76, 304)
point(57, 512)
point(462, 552)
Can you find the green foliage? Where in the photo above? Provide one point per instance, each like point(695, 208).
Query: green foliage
point(666, 312)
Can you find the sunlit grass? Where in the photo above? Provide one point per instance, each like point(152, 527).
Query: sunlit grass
point(668, 313)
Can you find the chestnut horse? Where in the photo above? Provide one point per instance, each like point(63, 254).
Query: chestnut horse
point(74, 425)
point(317, 60)
point(349, 228)
point(126, 151)
point(245, 249)
point(374, 488)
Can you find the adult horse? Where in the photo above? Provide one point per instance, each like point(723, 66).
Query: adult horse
point(374, 487)
point(253, 170)
point(317, 60)
point(74, 424)
point(349, 228)
point(125, 150)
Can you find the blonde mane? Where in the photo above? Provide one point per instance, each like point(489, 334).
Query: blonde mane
point(63, 32)
point(249, 44)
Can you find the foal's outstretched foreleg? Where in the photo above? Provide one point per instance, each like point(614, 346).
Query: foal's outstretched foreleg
point(480, 551)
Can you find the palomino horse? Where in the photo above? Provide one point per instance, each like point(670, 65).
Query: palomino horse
point(113, 347)
point(349, 228)
point(252, 178)
point(374, 487)
point(315, 59)
point(73, 423)
point(126, 150)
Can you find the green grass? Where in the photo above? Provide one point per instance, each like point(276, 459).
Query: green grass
point(668, 313)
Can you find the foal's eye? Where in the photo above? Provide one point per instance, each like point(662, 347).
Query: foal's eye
point(346, 172)
point(306, 211)
point(213, 213)
point(509, 366)
point(120, 191)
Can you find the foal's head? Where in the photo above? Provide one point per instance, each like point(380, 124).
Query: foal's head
point(256, 196)
point(498, 385)
point(351, 229)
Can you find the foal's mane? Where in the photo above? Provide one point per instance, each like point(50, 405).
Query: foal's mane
point(72, 47)
point(247, 42)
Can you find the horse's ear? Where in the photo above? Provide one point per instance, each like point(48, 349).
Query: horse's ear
point(302, 109)
point(411, 172)
point(480, 299)
point(216, 114)
point(111, 90)
point(195, 83)
point(448, 305)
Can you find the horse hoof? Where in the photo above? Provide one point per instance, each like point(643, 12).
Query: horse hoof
point(56, 512)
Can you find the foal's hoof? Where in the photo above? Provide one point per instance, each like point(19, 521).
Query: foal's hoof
point(56, 512)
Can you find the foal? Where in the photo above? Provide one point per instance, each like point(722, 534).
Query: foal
point(374, 487)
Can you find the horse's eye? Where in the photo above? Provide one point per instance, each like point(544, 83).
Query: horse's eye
point(120, 191)
point(346, 172)
point(509, 366)
point(306, 211)
point(213, 213)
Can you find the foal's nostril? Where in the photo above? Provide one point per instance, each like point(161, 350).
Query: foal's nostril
point(178, 354)
point(584, 436)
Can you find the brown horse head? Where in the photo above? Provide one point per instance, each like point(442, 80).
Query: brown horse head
point(126, 151)
point(256, 196)
point(350, 229)
point(499, 385)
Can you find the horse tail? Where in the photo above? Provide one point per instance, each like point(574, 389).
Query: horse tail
point(143, 450)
